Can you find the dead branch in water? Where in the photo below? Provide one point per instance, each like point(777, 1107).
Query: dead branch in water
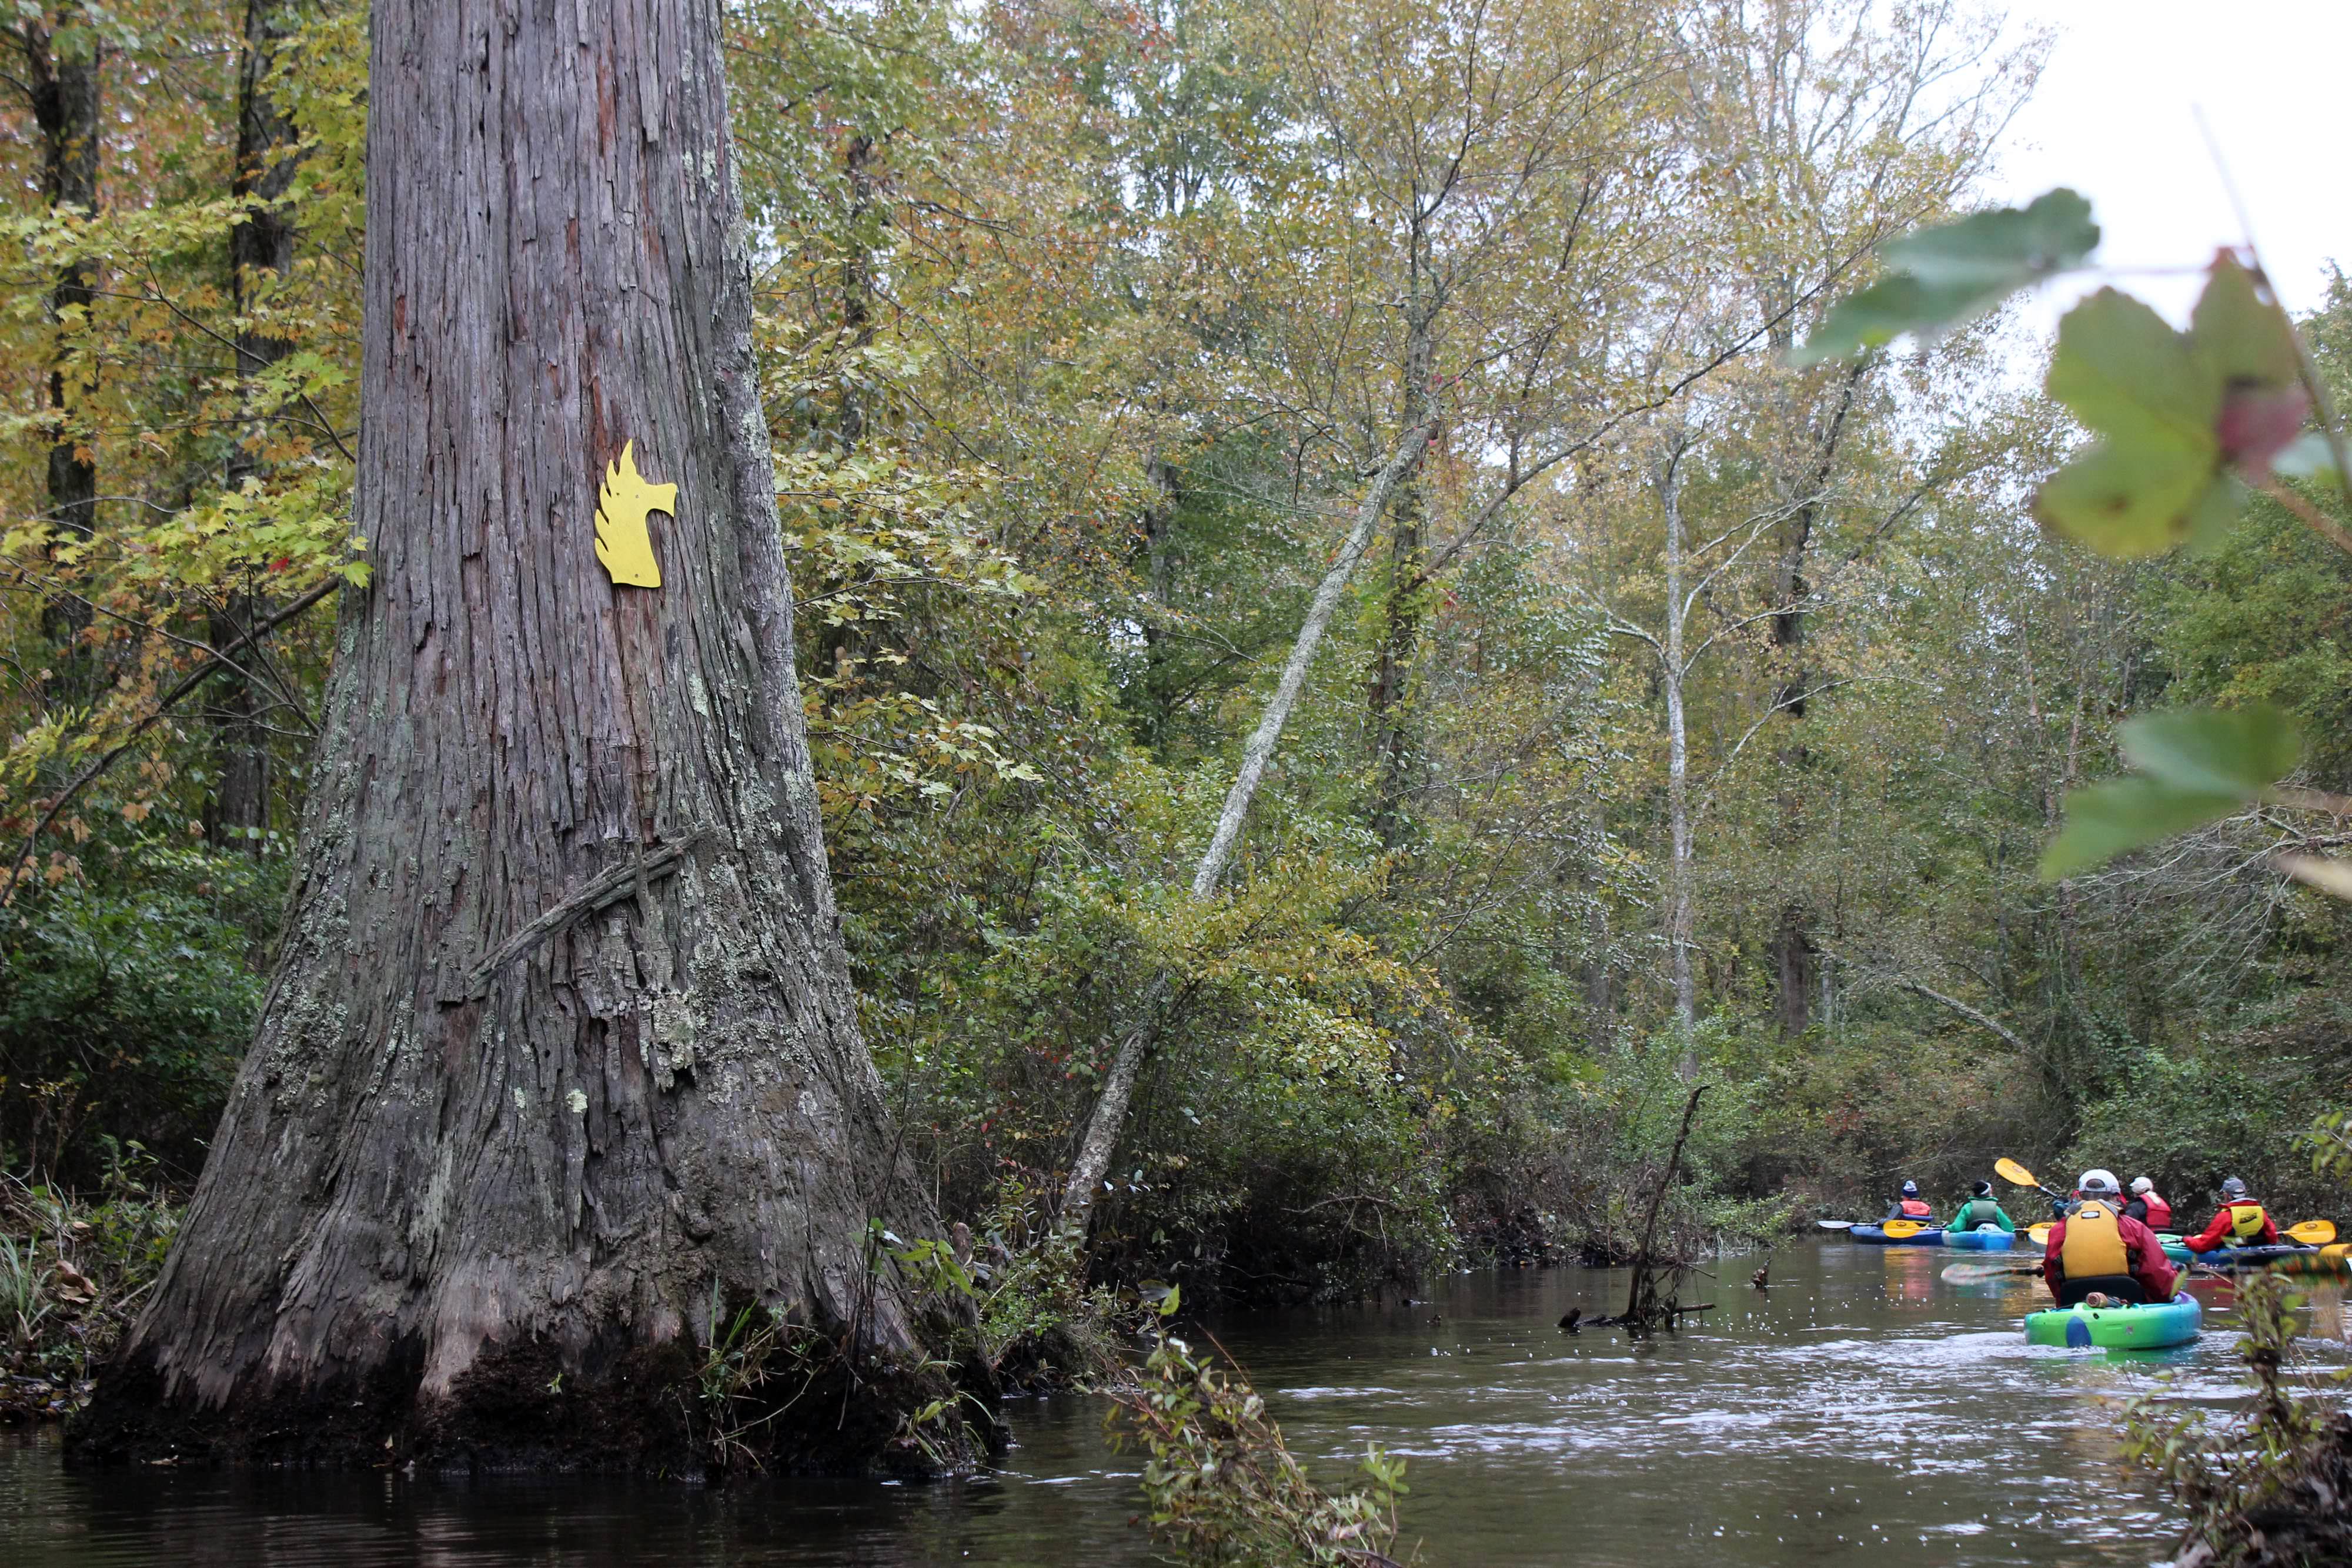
point(1645, 1313)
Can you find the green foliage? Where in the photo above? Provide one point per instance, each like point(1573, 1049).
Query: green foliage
point(2195, 765)
point(125, 1007)
point(2260, 618)
point(1619, 1116)
point(1219, 1484)
point(2240, 752)
point(73, 1272)
point(2190, 1118)
point(2264, 1488)
point(2137, 385)
point(742, 1352)
point(1942, 277)
point(2174, 411)
point(2183, 422)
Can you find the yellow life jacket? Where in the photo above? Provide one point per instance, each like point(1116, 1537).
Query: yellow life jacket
point(2246, 1222)
point(2093, 1244)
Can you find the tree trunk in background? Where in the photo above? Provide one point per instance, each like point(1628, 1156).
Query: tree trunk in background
point(1400, 605)
point(1794, 970)
point(262, 244)
point(1155, 526)
point(842, 645)
point(61, 74)
point(1681, 918)
point(560, 1061)
point(1792, 941)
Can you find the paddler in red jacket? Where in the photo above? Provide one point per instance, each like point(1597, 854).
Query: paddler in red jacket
point(2096, 1248)
point(2241, 1222)
point(2148, 1206)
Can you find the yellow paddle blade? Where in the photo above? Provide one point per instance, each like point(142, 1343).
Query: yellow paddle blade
point(2313, 1232)
point(1900, 1229)
point(2011, 1171)
point(2039, 1234)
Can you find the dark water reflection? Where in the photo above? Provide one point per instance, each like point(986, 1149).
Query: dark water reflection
point(1861, 1412)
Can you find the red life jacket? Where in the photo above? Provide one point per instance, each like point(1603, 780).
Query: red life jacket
point(1917, 1208)
point(2159, 1213)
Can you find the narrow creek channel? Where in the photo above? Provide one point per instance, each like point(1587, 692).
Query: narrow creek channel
point(1862, 1411)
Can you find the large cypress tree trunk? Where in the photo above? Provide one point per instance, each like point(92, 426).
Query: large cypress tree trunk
point(560, 1055)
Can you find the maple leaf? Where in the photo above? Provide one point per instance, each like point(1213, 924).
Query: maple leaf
point(623, 544)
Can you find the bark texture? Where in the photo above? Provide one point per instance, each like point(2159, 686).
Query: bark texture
point(560, 1060)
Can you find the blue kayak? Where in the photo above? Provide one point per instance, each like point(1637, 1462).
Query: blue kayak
point(1983, 1238)
point(1872, 1235)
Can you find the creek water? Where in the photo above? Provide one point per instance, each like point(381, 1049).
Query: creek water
point(1861, 1411)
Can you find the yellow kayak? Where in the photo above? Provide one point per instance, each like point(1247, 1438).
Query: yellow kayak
point(2333, 1259)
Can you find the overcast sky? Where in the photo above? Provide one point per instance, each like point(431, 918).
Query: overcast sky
point(2112, 119)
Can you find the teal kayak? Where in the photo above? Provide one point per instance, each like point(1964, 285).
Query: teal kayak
point(2151, 1327)
point(1872, 1235)
point(1983, 1238)
point(2241, 1257)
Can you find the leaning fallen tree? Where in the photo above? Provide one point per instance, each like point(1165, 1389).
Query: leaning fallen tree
point(558, 1144)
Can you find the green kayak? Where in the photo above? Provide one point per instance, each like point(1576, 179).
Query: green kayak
point(2151, 1327)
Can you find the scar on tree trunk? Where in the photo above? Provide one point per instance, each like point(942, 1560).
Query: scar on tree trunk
point(558, 1145)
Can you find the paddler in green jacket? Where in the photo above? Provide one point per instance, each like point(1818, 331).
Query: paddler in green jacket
point(1980, 1210)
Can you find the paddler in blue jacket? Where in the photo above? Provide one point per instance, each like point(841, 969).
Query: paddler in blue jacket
point(1911, 1206)
point(1981, 1209)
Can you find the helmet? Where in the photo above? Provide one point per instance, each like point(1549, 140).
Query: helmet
point(1910, 1189)
point(2233, 1187)
point(1983, 1189)
point(2141, 1183)
point(2097, 1184)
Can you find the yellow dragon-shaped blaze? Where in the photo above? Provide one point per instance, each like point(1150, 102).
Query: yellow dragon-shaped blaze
point(623, 544)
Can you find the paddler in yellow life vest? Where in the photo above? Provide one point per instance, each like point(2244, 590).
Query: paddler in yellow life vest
point(2241, 1222)
point(2096, 1248)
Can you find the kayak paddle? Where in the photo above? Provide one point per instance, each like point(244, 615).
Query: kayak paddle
point(1837, 1224)
point(1970, 1273)
point(2039, 1234)
point(1902, 1229)
point(2018, 1176)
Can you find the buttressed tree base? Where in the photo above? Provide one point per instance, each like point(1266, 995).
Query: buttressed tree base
point(558, 1144)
